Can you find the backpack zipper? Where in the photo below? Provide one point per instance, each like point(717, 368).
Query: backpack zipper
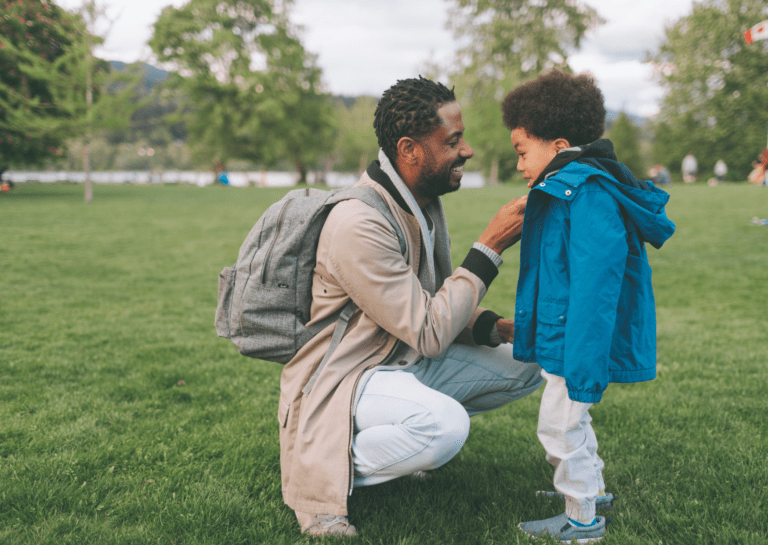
point(274, 239)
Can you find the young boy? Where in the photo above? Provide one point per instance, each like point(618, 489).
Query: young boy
point(585, 309)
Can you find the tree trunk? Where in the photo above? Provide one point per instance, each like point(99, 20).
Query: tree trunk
point(302, 170)
point(494, 179)
point(88, 106)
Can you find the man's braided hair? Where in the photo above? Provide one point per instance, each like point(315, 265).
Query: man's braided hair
point(409, 108)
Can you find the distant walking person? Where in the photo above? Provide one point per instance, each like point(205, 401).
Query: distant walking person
point(720, 170)
point(690, 167)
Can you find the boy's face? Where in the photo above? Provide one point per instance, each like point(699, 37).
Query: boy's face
point(534, 153)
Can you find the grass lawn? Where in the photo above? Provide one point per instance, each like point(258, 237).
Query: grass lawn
point(124, 419)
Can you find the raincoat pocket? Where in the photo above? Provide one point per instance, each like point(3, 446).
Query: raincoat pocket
point(550, 331)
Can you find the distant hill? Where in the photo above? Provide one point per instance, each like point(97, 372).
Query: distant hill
point(611, 115)
point(153, 76)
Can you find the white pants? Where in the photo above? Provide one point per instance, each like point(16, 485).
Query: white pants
point(567, 436)
point(418, 418)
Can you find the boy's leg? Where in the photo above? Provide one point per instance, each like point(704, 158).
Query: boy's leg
point(481, 378)
point(592, 448)
point(564, 431)
point(402, 426)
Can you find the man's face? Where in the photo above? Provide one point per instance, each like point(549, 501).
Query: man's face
point(445, 153)
point(533, 153)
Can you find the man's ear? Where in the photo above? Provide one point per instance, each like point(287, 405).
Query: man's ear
point(409, 151)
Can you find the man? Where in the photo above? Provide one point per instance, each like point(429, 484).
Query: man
point(419, 357)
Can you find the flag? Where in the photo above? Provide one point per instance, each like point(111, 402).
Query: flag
point(757, 32)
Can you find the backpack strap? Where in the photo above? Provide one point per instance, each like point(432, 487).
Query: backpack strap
point(370, 197)
point(338, 332)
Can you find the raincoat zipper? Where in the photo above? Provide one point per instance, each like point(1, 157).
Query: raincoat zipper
point(352, 418)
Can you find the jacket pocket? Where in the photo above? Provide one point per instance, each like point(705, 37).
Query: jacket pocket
point(283, 408)
point(550, 331)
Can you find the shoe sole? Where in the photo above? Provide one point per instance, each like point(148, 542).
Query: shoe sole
point(581, 541)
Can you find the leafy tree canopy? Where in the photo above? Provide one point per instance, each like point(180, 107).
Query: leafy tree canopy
point(625, 136)
point(356, 143)
point(35, 36)
point(508, 43)
point(716, 87)
point(253, 89)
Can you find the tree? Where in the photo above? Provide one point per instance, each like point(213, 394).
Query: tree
point(716, 93)
point(508, 43)
point(51, 85)
point(356, 143)
point(626, 143)
point(253, 89)
point(35, 36)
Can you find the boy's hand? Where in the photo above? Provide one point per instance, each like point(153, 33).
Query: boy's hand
point(506, 329)
point(505, 227)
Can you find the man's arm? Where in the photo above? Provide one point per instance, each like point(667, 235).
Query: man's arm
point(364, 258)
point(503, 231)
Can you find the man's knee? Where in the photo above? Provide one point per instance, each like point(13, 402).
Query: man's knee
point(451, 429)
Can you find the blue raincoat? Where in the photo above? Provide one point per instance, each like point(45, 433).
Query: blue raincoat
point(585, 309)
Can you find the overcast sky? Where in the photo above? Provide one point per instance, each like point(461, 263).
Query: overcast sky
point(364, 46)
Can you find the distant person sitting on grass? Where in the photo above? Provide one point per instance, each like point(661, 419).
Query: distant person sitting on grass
point(659, 175)
point(7, 185)
point(585, 309)
point(221, 173)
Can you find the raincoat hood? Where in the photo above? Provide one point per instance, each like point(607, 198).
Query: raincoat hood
point(640, 200)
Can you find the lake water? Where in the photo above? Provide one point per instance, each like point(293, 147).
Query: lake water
point(199, 178)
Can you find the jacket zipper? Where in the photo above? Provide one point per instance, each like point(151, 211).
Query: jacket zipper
point(352, 419)
point(274, 240)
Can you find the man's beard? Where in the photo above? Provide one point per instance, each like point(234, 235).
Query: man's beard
point(434, 183)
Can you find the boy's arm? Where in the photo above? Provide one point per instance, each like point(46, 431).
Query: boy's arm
point(597, 256)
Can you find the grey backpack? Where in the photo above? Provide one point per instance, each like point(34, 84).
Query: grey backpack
point(264, 298)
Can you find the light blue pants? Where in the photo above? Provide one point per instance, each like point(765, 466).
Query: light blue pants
point(418, 418)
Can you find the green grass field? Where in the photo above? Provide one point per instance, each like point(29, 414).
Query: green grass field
point(124, 419)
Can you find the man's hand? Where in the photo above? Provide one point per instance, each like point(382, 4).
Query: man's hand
point(506, 226)
point(506, 330)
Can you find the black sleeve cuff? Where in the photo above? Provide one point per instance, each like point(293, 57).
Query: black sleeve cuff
point(481, 331)
point(480, 264)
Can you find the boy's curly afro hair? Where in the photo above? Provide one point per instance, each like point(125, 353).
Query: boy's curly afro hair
point(409, 108)
point(557, 105)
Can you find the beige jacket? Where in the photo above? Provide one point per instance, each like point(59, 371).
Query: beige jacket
point(359, 256)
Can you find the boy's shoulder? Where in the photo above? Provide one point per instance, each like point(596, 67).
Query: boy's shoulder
point(576, 174)
point(571, 178)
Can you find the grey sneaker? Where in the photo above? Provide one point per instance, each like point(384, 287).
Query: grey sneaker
point(331, 525)
point(561, 529)
point(604, 502)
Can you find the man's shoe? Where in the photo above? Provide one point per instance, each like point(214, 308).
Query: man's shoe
point(604, 502)
point(331, 525)
point(561, 529)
